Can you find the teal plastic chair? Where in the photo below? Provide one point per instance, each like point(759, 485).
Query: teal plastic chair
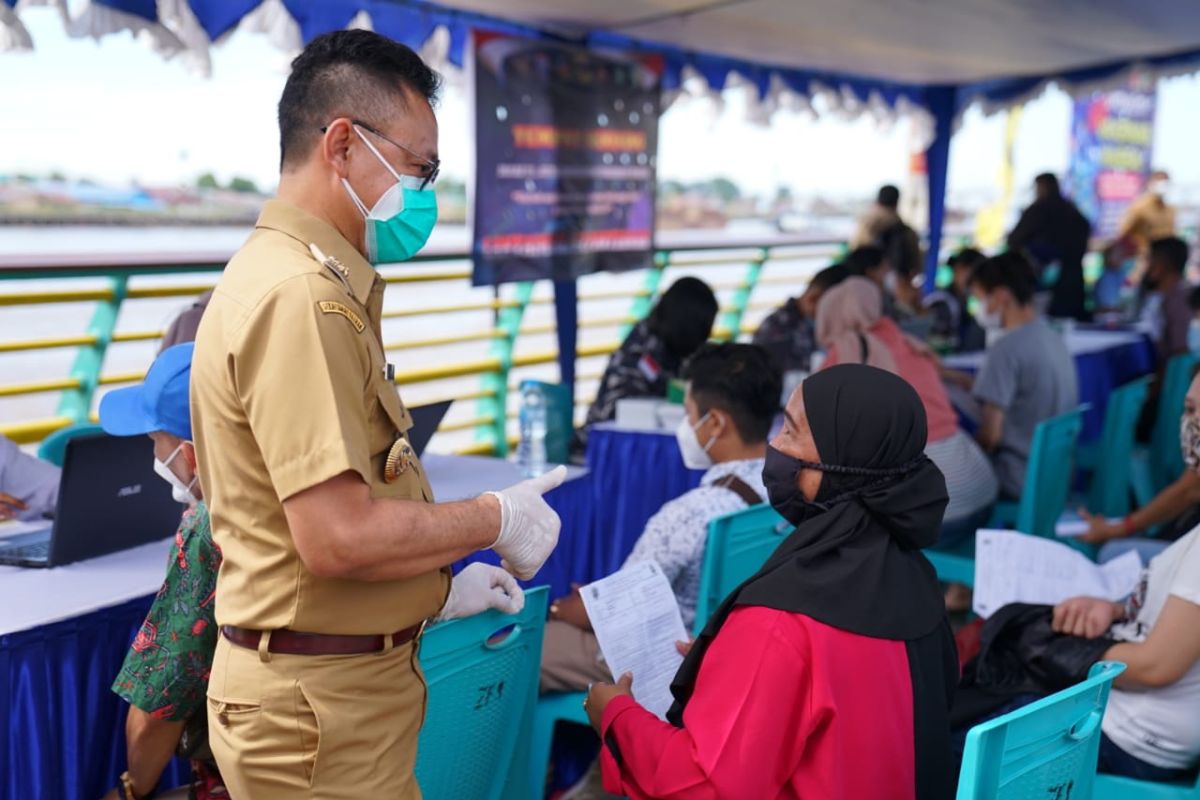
point(1162, 463)
point(560, 422)
point(1043, 497)
point(1048, 749)
point(1115, 787)
point(1111, 485)
point(54, 447)
point(738, 544)
point(482, 674)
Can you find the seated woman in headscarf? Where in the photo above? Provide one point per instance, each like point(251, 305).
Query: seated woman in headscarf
point(830, 672)
point(853, 329)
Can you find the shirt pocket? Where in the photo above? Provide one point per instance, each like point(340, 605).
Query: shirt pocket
point(390, 422)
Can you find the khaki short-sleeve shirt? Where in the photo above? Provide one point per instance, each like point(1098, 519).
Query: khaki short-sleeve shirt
point(290, 388)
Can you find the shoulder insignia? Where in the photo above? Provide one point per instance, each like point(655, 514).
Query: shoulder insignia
point(334, 307)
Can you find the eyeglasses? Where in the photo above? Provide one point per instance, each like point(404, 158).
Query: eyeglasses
point(433, 167)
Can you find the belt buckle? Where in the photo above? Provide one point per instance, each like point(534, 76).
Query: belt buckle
point(421, 630)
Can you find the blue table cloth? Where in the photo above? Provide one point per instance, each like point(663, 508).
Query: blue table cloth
point(63, 736)
point(1099, 369)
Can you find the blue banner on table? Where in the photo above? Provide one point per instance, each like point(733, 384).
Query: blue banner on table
point(1112, 135)
point(566, 141)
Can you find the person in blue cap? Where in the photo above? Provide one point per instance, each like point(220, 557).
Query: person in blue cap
point(165, 674)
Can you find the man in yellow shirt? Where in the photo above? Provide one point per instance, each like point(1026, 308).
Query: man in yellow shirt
point(1148, 218)
point(334, 553)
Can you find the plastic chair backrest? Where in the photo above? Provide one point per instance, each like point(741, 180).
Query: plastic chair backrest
point(482, 689)
point(738, 544)
point(1167, 459)
point(1109, 491)
point(1049, 473)
point(560, 423)
point(1046, 750)
point(54, 447)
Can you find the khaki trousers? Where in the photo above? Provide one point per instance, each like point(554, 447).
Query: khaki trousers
point(570, 659)
point(322, 727)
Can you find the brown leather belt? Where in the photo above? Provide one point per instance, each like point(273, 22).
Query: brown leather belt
point(297, 643)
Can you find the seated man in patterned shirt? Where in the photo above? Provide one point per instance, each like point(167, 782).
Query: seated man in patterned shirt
point(789, 333)
point(165, 674)
point(732, 398)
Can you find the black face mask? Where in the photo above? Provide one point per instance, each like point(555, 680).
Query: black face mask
point(781, 474)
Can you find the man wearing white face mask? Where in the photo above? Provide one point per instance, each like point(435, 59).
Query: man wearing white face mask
point(731, 400)
point(334, 553)
point(1028, 374)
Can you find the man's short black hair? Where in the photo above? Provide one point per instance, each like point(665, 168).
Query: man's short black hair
point(739, 380)
point(863, 259)
point(1049, 182)
point(968, 257)
point(355, 73)
point(888, 197)
point(1012, 271)
point(829, 277)
point(683, 317)
point(1171, 252)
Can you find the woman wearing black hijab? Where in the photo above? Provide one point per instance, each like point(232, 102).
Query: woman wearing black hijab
point(830, 672)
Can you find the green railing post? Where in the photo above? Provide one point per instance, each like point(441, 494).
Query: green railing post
point(644, 300)
point(731, 320)
point(77, 403)
point(495, 405)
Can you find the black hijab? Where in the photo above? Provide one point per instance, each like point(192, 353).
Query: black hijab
point(854, 561)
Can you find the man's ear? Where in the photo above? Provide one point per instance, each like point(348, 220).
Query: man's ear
point(335, 145)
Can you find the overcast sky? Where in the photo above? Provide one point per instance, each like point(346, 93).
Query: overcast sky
point(115, 111)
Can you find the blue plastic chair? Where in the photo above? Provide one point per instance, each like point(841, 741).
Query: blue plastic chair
point(480, 682)
point(1046, 750)
point(54, 447)
point(1162, 463)
point(1043, 498)
point(1115, 787)
point(738, 544)
point(1111, 486)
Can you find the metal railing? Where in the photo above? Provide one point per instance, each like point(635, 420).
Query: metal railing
point(435, 302)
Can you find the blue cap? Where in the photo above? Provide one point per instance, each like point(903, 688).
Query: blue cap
point(160, 403)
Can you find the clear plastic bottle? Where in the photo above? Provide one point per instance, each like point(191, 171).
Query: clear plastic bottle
point(531, 452)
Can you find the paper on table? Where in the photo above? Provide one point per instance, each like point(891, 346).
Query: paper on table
point(1012, 567)
point(637, 622)
point(1072, 526)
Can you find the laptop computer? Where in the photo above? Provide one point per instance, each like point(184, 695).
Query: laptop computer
point(109, 499)
point(425, 424)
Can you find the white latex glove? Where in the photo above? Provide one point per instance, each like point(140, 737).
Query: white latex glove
point(528, 527)
point(480, 587)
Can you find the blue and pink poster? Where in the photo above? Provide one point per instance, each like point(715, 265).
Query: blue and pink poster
point(565, 159)
point(1112, 134)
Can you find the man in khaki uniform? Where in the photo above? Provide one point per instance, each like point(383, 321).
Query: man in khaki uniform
point(334, 553)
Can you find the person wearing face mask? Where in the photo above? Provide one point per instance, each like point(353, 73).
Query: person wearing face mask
point(1148, 218)
point(165, 674)
point(1176, 508)
point(335, 555)
point(731, 400)
point(830, 672)
point(1028, 374)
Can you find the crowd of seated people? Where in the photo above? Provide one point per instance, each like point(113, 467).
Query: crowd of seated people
point(833, 670)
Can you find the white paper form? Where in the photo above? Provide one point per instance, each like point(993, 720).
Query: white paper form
point(637, 622)
point(1012, 567)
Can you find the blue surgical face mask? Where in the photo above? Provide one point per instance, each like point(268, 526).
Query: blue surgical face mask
point(399, 223)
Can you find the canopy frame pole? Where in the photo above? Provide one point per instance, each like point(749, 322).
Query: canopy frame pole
point(942, 102)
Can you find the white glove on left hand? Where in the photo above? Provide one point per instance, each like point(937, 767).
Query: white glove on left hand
point(480, 587)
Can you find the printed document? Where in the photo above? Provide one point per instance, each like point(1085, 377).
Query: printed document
point(1013, 567)
point(637, 622)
